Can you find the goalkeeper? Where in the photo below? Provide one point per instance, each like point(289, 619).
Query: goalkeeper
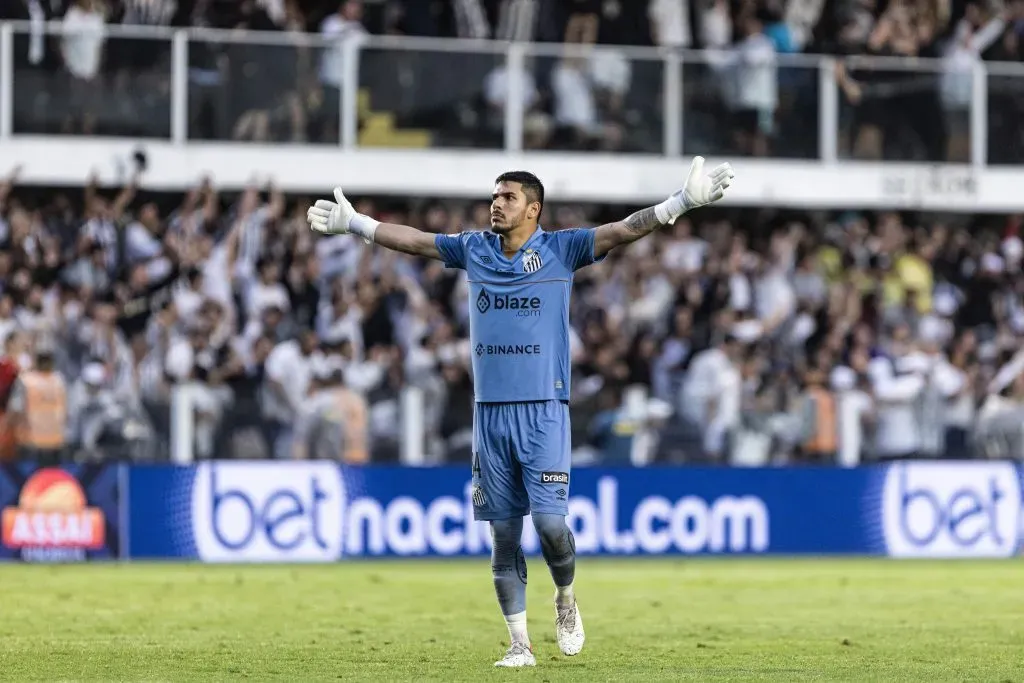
point(520, 278)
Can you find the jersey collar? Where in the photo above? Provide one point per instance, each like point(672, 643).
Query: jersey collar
point(501, 253)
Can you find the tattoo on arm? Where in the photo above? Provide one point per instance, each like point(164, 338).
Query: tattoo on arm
point(643, 221)
point(626, 231)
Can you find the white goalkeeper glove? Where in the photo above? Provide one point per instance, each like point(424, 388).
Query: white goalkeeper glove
point(699, 190)
point(339, 218)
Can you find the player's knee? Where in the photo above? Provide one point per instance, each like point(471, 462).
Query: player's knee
point(507, 558)
point(556, 540)
point(506, 535)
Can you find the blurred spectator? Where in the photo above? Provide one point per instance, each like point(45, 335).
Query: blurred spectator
point(82, 51)
point(755, 94)
point(288, 87)
point(102, 423)
point(855, 410)
point(332, 424)
point(286, 385)
point(820, 425)
point(886, 335)
point(775, 337)
point(11, 365)
point(975, 33)
point(37, 410)
point(895, 107)
point(712, 394)
point(670, 23)
point(343, 28)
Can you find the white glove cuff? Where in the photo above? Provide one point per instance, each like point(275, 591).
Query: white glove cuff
point(364, 226)
point(670, 209)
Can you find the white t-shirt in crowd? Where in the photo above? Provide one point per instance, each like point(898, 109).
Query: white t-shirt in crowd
point(287, 365)
point(496, 87)
point(712, 378)
point(262, 297)
point(672, 19)
point(853, 406)
point(83, 42)
point(574, 99)
point(686, 255)
point(332, 68)
point(180, 360)
point(217, 277)
point(897, 430)
point(187, 302)
point(140, 244)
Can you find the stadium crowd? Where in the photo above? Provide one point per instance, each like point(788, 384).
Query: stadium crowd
point(747, 95)
point(754, 336)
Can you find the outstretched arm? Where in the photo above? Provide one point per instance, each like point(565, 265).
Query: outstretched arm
point(340, 218)
point(630, 229)
point(699, 190)
point(7, 184)
point(405, 239)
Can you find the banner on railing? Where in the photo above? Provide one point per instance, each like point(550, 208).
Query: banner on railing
point(70, 513)
point(952, 187)
point(321, 512)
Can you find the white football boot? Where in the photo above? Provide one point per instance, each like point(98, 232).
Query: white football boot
point(518, 655)
point(569, 629)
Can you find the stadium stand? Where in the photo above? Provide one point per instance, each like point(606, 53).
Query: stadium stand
point(739, 337)
point(289, 90)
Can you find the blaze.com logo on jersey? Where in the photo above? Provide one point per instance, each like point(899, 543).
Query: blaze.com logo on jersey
point(523, 306)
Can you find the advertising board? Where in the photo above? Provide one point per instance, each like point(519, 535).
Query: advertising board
point(320, 511)
point(70, 513)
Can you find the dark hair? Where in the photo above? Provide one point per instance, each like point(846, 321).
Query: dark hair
point(533, 188)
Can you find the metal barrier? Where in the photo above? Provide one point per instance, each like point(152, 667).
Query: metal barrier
point(186, 85)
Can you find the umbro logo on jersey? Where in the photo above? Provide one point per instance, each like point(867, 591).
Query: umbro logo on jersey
point(486, 259)
point(532, 263)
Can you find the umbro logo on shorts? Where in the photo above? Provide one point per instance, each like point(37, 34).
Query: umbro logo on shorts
point(554, 478)
point(560, 493)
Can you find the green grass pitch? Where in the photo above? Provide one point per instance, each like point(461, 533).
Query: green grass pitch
point(647, 620)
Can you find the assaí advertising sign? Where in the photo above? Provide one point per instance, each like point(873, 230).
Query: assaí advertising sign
point(59, 514)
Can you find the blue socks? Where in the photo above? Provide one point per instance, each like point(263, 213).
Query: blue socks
point(508, 565)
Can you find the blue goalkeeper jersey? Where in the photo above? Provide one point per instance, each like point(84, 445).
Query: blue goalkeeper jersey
point(519, 310)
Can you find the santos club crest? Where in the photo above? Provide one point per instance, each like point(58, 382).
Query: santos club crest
point(532, 262)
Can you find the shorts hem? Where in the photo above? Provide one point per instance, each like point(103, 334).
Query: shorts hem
point(563, 511)
point(491, 516)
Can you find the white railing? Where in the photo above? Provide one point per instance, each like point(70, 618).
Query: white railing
point(673, 99)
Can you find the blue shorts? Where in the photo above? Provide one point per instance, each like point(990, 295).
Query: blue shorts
point(521, 459)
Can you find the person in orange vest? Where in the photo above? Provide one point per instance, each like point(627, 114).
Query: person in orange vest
point(333, 420)
point(38, 411)
point(819, 416)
